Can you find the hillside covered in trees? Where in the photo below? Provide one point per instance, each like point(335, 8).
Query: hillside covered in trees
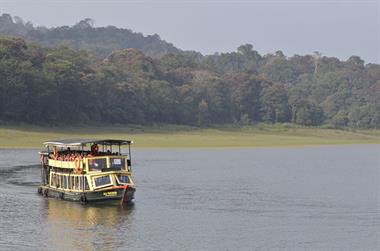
point(61, 85)
point(83, 35)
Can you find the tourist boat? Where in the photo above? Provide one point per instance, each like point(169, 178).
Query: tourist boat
point(87, 170)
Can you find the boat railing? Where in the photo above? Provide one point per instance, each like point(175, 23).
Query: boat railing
point(63, 163)
point(95, 163)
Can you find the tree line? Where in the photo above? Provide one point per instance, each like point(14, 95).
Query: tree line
point(83, 35)
point(61, 85)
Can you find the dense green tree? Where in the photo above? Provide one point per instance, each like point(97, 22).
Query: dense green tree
point(62, 85)
point(83, 35)
point(203, 113)
point(245, 92)
point(275, 107)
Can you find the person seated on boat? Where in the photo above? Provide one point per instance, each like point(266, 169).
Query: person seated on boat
point(54, 155)
point(77, 156)
point(94, 149)
point(67, 154)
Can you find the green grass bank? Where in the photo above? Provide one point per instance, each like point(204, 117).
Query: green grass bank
point(170, 136)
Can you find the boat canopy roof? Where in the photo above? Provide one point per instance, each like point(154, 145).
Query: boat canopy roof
point(83, 142)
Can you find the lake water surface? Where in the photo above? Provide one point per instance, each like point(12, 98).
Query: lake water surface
point(313, 198)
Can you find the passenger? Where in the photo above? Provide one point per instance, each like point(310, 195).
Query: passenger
point(94, 149)
point(55, 156)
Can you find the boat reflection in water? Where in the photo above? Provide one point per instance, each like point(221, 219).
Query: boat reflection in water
point(71, 226)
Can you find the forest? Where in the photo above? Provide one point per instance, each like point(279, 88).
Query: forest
point(83, 35)
point(130, 84)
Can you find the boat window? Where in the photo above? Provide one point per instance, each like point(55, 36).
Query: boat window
point(71, 182)
point(123, 178)
point(86, 187)
point(74, 184)
point(97, 164)
point(77, 183)
point(102, 181)
point(117, 163)
point(54, 180)
point(65, 185)
point(60, 181)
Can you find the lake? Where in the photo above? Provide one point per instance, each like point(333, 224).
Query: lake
point(311, 198)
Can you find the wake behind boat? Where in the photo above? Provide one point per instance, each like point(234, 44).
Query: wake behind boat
point(87, 170)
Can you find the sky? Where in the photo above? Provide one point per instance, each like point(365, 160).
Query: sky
point(339, 28)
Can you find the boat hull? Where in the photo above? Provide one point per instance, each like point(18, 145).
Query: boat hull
point(110, 194)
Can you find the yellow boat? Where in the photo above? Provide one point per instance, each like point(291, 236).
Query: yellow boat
point(87, 170)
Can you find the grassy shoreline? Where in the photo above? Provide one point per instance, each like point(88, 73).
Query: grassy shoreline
point(172, 136)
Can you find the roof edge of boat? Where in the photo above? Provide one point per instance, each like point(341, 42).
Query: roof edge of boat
point(83, 142)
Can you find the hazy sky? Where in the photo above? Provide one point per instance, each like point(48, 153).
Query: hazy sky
point(335, 28)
